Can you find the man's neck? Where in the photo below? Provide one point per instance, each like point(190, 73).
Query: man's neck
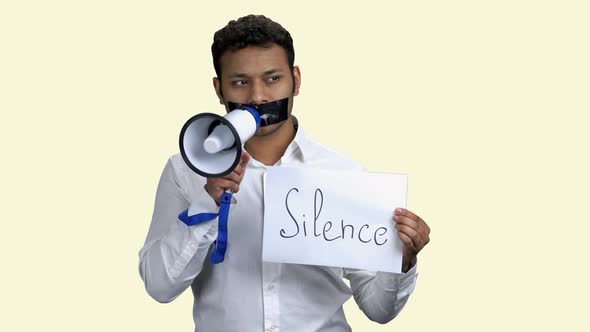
point(270, 148)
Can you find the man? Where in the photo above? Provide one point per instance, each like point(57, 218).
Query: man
point(254, 63)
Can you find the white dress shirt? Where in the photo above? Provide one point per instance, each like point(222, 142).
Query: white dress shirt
point(243, 293)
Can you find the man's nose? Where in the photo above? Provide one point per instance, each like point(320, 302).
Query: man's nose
point(257, 94)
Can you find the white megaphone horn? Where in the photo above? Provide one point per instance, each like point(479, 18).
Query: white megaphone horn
point(211, 145)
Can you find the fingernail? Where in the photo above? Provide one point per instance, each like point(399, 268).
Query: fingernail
point(398, 210)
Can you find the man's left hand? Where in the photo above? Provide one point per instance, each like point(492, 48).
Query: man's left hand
point(413, 232)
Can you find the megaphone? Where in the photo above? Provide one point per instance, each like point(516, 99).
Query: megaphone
point(211, 145)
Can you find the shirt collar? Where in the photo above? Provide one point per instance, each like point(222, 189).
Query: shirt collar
point(299, 148)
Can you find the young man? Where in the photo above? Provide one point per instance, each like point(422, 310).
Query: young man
point(253, 59)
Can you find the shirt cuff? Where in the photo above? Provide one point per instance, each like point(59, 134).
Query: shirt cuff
point(394, 281)
point(200, 236)
point(203, 203)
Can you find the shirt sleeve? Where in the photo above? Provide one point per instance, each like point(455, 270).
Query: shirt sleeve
point(173, 253)
point(381, 295)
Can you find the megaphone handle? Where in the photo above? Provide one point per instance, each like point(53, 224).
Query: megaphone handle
point(221, 242)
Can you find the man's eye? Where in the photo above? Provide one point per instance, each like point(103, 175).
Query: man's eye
point(273, 78)
point(239, 82)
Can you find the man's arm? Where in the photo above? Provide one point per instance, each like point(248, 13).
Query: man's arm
point(174, 253)
point(381, 295)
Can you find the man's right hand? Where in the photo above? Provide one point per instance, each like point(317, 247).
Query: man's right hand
point(216, 186)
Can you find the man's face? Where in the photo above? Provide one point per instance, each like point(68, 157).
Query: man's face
point(257, 75)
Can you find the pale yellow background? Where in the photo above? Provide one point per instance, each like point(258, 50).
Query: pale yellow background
point(485, 105)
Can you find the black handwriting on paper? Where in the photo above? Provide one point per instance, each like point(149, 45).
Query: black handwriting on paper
point(318, 203)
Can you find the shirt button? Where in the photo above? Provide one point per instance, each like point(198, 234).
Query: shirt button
point(193, 246)
point(271, 287)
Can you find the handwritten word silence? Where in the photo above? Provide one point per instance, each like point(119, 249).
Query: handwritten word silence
point(364, 233)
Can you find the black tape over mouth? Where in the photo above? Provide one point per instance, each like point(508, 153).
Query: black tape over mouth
point(270, 113)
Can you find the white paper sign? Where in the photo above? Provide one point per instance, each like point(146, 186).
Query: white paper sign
point(333, 218)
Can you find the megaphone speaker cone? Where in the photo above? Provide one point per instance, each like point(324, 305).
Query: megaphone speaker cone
point(220, 162)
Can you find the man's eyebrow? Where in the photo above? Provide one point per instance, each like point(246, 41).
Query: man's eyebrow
point(238, 75)
point(272, 71)
point(244, 75)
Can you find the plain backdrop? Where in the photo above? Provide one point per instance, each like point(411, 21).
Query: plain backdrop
point(484, 104)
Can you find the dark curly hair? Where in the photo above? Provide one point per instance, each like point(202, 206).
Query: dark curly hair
point(251, 30)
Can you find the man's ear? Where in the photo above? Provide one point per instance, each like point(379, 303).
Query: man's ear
point(218, 91)
point(296, 80)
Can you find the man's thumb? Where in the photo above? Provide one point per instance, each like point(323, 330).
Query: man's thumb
point(245, 158)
